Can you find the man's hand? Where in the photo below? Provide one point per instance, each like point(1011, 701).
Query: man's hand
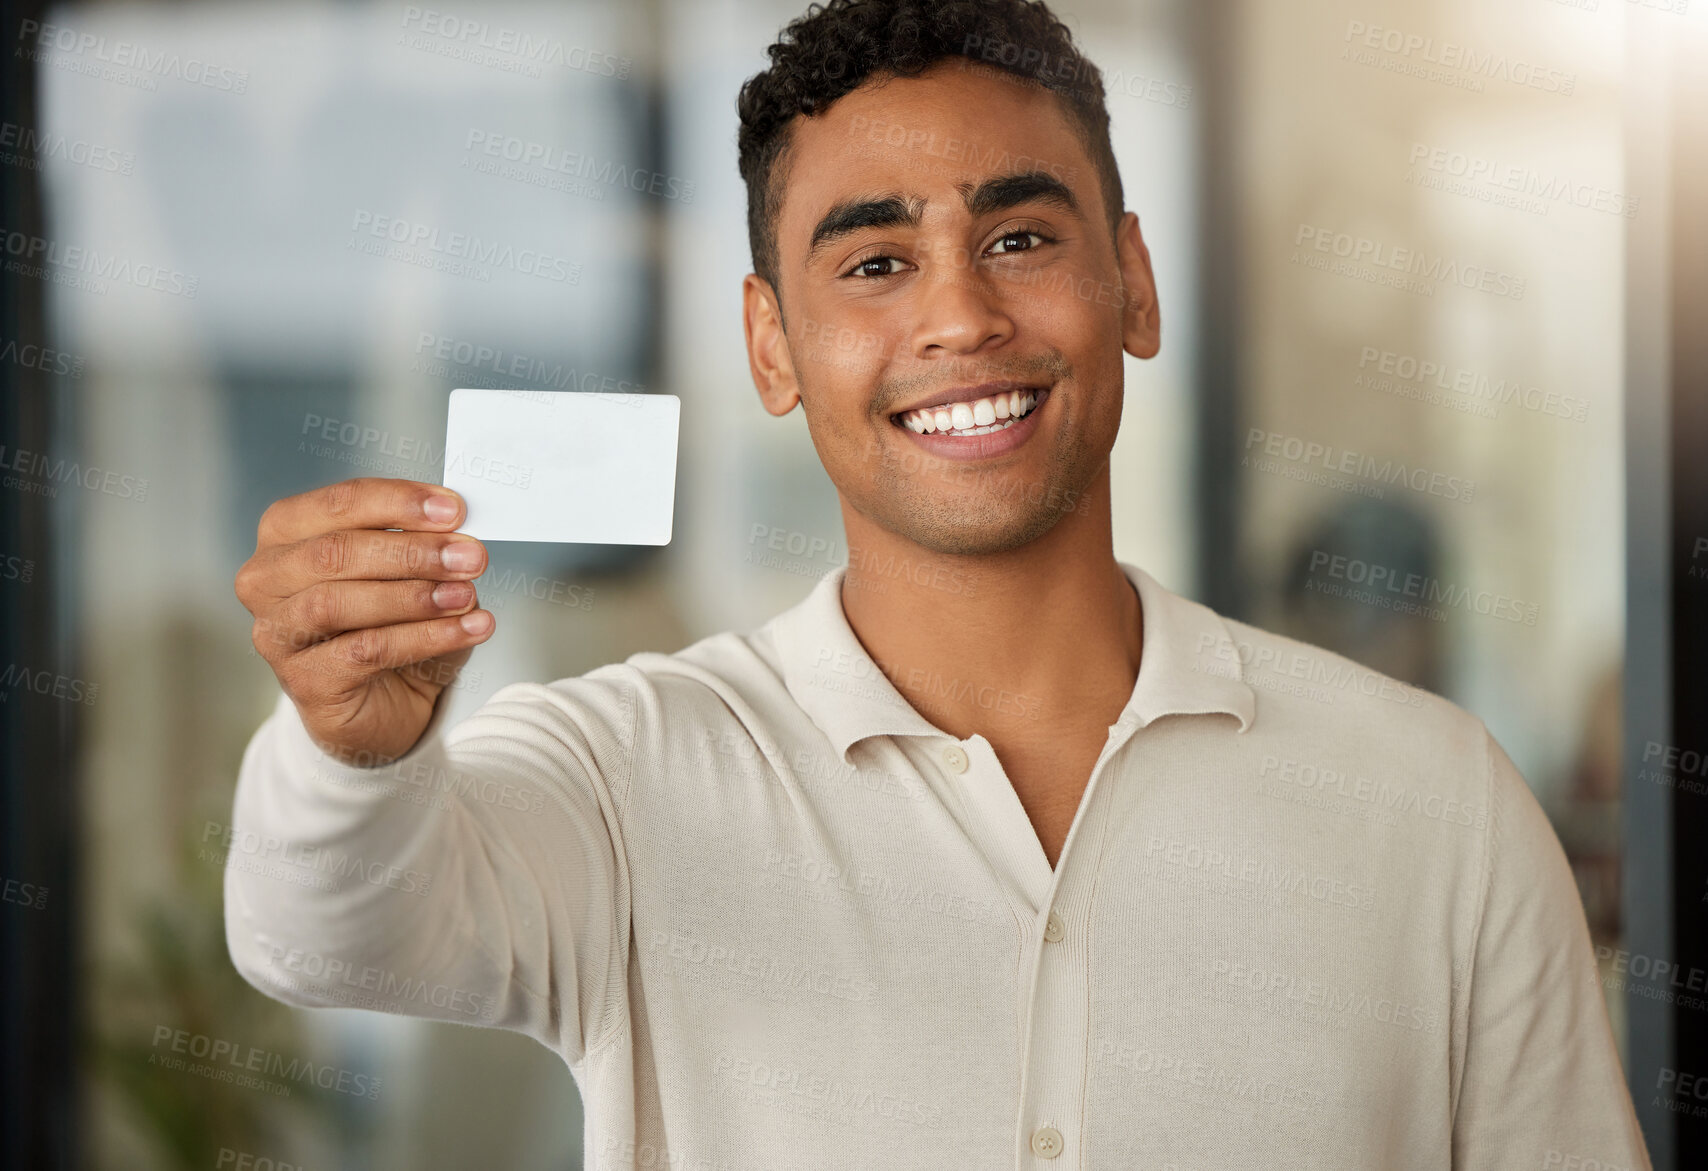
point(365, 627)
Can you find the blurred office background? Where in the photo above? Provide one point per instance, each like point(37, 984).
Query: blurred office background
point(1277, 154)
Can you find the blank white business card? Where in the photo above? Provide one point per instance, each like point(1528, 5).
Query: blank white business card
point(570, 466)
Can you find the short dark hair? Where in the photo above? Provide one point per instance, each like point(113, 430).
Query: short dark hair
point(835, 47)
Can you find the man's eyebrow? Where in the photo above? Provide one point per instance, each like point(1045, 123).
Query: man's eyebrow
point(899, 211)
point(1008, 191)
point(852, 215)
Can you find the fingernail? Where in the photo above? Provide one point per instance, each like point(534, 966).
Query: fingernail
point(440, 509)
point(461, 556)
point(477, 621)
point(448, 595)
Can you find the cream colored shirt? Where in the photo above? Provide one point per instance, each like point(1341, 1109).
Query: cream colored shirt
point(1306, 915)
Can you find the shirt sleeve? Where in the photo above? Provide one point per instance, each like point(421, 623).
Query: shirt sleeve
point(1542, 1084)
point(480, 878)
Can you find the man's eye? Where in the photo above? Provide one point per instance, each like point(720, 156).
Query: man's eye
point(1038, 236)
point(874, 266)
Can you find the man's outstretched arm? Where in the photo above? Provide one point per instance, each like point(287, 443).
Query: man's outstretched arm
point(376, 860)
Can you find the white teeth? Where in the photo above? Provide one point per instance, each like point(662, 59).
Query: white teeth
point(977, 417)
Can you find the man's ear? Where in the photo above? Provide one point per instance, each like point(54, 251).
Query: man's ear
point(1141, 322)
point(767, 348)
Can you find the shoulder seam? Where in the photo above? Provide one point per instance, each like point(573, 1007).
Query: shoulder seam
point(1484, 881)
point(620, 1022)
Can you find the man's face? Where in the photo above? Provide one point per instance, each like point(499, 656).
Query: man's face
point(942, 240)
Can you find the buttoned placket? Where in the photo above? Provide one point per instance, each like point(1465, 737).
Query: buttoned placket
point(1055, 903)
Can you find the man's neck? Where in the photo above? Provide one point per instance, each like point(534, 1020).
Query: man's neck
point(1031, 642)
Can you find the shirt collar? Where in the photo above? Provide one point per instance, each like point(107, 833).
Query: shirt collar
point(1190, 665)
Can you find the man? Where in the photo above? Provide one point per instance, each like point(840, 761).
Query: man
point(991, 853)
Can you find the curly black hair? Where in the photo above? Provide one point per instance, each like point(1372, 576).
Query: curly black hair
point(834, 47)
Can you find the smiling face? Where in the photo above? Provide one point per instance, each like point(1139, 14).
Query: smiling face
point(956, 308)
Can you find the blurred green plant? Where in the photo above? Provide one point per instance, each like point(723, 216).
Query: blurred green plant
point(184, 979)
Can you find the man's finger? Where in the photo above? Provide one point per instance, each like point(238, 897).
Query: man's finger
point(331, 608)
point(371, 555)
point(361, 654)
point(367, 502)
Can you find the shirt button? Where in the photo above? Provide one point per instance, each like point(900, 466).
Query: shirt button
point(955, 758)
point(1054, 929)
point(1046, 1142)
